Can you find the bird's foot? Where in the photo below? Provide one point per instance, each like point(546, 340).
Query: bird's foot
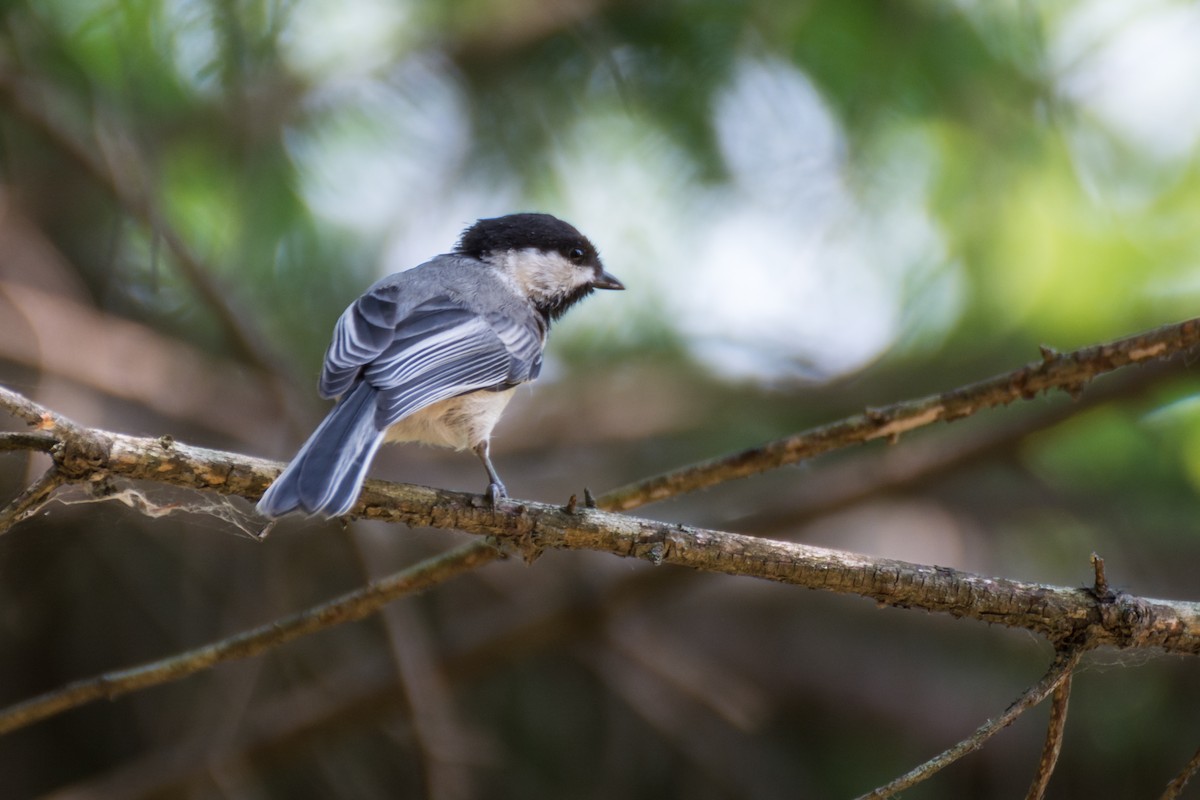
point(495, 493)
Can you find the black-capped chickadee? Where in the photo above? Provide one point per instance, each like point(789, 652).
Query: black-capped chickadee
point(433, 354)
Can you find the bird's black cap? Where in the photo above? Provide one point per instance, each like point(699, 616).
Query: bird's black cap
point(523, 231)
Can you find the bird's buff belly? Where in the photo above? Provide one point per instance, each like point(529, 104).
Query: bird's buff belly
point(460, 422)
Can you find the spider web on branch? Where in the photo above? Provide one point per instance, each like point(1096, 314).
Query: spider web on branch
point(245, 522)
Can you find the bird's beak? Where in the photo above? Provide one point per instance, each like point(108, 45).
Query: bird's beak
point(607, 281)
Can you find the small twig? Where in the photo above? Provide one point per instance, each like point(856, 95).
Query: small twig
point(1175, 787)
point(46, 423)
point(868, 474)
point(346, 608)
point(35, 442)
point(1068, 371)
point(1100, 584)
point(30, 501)
point(1062, 667)
point(1054, 739)
point(24, 409)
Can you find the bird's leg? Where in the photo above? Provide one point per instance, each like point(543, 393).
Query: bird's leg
point(495, 489)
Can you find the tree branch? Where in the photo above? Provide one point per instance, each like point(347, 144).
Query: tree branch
point(1055, 729)
point(1066, 616)
point(35, 442)
point(1059, 671)
point(28, 502)
point(1175, 787)
point(1070, 371)
point(1067, 371)
point(870, 473)
point(1062, 614)
point(346, 608)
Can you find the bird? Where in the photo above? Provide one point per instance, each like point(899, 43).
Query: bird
point(433, 354)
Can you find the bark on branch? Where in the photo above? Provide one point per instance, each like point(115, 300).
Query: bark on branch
point(1061, 614)
point(1083, 617)
point(1072, 618)
point(1070, 372)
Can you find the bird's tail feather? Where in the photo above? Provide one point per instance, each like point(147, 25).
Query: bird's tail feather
point(326, 475)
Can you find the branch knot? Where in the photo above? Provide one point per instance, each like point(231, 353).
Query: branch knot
point(1125, 618)
point(81, 456)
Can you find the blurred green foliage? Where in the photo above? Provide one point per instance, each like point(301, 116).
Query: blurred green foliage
point(816, 205)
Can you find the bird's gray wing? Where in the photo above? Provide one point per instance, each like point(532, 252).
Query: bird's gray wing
point(416, 356)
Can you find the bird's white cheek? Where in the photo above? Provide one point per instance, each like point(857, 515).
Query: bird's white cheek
point(583, 276)
point(544, 275)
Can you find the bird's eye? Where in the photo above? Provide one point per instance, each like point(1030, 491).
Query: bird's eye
point(576, 255)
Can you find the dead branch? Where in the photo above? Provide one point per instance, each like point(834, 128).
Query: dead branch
point(33, 442)
point(1059, 671)
point(1066, 616)
point(1062, 614)
point(349, 607)
point(1175, 787)
point(871, 473)
point(30, 501)
point(1070, 372)
point(1055, 729)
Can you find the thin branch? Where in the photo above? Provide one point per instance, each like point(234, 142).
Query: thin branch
point(1068, 371)
point(1175, 787)
point(30, 501)
point(60, 429)
point(1059, 613)
point(363, 689)
point(1100, 586)
point(28, 442)
point(24, 409)
point(871, 473)
point(346, 608)
point(1059, 671)
point(1055, 729)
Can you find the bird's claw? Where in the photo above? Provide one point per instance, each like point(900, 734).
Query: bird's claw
point(495, 493)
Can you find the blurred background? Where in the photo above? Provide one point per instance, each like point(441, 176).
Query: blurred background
point(817, 206)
